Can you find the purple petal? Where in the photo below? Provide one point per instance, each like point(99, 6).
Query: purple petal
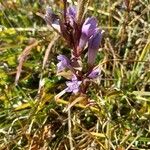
point(74, 85)
point(94, 74)
point(74, 78)
point(75, 91)
point(71, 11)
point(62, 58)
point(85, 29)
point(60, 67)
point(71, 14)
point(92, 21)
point(63, 63)
point(88, 29)
point(83, 41)
point(93, 46)
point(52, 19)
point(89, 26)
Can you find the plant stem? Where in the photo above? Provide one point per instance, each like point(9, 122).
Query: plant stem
point(80, 10)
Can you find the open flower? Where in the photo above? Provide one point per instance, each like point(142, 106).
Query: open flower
point(88, 29)
point(93, 46)
point(95, 73)
point(73, 85)
point(63, 63)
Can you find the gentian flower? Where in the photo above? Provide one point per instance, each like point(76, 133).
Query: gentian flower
point(63, 63)
point(71, 14)
point(88, 29)
point(95, 73)
point(71, 11)
point(73, 85)
point(52, 19)
point(93, 46)
point(77, 34)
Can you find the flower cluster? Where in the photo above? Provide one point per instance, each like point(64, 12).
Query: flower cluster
point(79, 36)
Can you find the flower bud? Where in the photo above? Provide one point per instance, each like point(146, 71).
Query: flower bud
point(93, 46)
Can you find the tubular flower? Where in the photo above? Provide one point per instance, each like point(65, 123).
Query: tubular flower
point(73, 85)
point(88, 29)
point(52, 19)
point(63, 63)
point(95, 73)
point(93, 46)
point(71, 11)
point(71, 15)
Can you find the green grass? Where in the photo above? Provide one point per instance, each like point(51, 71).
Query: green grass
point(30, 117)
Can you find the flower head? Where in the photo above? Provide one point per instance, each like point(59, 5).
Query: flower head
point(63, 63)
point(95, 73)
point(71, 11)
point(89, 26)
point(73, 85)
point(93, 46)
point(88, 29)
point(71, 15)
point(52, 19)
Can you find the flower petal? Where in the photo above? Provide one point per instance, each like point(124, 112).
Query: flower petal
point(95, 73)
point(89, 26)
point(52, 19)
point(88, 29)
point(63, 63)
point(93, 46)
point(60, 67)
point(62, 58)
point(74, 85)
point(71, 11)
point(75, 91)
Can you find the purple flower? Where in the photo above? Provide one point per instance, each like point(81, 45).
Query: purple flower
point(93, 46)
point(95, 73)
point(89, 26)
point(73, 85)
point(63, 63)
point(71, 14)
point(71, 11)
point(52, 19)
point(88, 29)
